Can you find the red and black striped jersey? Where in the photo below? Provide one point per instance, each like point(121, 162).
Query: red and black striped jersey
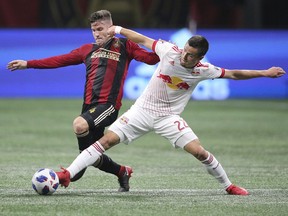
point(106, 67)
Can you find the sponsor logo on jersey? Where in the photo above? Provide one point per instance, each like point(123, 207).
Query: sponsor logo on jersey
point(104, 53)
point(173, 82)
point(165, 78)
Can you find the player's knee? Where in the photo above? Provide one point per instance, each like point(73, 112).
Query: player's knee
point(202, 154)
point(80, 125)
point(196, 150)
point(109, 140)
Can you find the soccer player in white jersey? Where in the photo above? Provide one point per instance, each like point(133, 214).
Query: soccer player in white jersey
point(159, 107)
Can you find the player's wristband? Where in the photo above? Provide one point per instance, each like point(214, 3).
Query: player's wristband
point(118, 29)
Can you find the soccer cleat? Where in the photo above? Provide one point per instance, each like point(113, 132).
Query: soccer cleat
point(64, 177)
point(123, 179)
point(235, 190)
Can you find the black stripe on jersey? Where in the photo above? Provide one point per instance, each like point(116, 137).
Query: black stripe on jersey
point(88, 90)
point(120, 75)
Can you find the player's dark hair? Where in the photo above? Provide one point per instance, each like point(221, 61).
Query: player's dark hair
point(100, 15)
point(200, 43)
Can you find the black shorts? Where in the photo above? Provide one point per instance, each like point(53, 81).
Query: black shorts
point(101, 115)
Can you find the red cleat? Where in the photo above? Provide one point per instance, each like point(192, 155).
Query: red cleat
point(235, 190)
point(64, 177)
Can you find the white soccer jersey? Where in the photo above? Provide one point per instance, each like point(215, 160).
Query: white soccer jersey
point(171, 85)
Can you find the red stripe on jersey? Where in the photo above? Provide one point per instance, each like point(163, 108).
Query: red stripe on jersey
point(176, 49)
point(109, 77)
point(223, 72)
point(154, 45)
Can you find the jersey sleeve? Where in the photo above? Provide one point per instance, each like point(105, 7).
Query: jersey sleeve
point(76, 56)
point(209, 71)
point(140, 54)
point(162, 47)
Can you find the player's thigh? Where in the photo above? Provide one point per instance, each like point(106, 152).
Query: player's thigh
point(101, 115)
point(132, 124)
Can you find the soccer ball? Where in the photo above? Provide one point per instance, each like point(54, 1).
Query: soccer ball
point(45, 181)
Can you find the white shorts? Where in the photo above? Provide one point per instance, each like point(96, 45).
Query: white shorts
point(137, 122)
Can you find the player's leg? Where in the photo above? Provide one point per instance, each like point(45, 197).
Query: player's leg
point(175, 129)
point(126, 131)
point(128, 127)
point(106, 164)
point(89, 127)
point(86, 158)
point(211, 164)
point(85, 139)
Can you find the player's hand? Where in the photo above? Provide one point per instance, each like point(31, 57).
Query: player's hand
point(17, 65)
point(111, 31)
point(275, 72)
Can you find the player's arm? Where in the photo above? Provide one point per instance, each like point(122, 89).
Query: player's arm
point(273, 72)
point(75, 57)
point(17, 65)
point(132, 35)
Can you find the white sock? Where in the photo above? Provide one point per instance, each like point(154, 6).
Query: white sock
point(87, 158)
point(215, 169)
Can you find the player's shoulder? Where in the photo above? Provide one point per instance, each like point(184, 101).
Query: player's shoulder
point(125, 42)
point(203, 65)
point(86, 47)
point(166, 43)
point(167, 46)
point(206, 66)
point(83, 49)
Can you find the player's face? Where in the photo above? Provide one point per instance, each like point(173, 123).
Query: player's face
point(99, 31)
point(189, 56)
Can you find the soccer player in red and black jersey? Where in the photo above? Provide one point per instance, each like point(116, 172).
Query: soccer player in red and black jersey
point(107, 61)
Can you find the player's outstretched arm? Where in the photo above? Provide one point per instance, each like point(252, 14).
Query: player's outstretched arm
point(132, 35)
point(17, 65)
point(273, 72)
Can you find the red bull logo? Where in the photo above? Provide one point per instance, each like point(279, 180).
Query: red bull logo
point(182, 85)
point(124, 120)
point(165, 78)
point(173, 82)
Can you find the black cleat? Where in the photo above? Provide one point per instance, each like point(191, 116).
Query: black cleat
point(124, 180)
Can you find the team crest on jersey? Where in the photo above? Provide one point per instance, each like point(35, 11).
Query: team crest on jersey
point(124, 120)
point(92, 110)
point(173, 82)
point(116, 43)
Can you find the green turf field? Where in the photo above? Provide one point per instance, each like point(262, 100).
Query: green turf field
point(249, 138)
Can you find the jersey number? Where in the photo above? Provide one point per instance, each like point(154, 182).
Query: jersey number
point(181, 124)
